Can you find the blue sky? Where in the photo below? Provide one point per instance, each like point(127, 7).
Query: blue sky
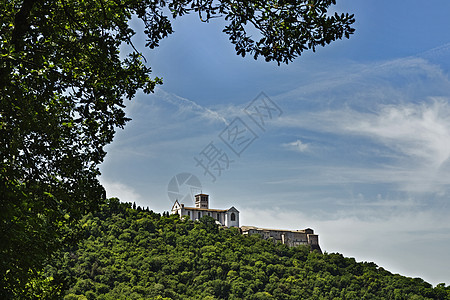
point(360, 152)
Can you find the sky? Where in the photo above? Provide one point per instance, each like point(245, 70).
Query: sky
point(352, 140)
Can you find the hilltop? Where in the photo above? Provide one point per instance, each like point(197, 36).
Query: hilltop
point(131, 253)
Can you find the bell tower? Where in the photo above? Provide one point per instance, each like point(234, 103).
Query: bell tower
point(202, 201)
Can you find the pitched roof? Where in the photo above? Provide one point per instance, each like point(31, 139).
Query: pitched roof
point(206, 209)
point(246, 228)
point(176, 202)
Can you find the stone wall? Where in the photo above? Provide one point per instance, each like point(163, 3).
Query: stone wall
point(290, 238)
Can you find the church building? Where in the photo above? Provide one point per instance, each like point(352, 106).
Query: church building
point(225, 217)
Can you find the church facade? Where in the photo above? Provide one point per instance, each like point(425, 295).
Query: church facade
point(225, 217)
point(230, 218)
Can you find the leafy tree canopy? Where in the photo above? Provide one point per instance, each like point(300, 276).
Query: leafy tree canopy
point(132, 254)
point(63, 84)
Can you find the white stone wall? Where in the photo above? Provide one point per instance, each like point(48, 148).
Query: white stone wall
point(232, 218)
point(228, 218)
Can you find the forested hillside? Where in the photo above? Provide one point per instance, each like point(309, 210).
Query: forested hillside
point(131, 253)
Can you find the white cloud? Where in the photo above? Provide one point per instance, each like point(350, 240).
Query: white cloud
point(400, 107)
point(297, 145)
point(420, 131)
point(189, 106)
point(441, 52)
point(123, 192)
point(419, 136)
point(367, 85)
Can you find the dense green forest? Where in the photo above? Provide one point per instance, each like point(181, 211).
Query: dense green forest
point(131, 253)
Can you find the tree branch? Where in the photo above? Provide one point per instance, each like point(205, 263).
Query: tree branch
point(21, 24)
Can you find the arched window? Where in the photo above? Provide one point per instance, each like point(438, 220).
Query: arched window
point(233, 217)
